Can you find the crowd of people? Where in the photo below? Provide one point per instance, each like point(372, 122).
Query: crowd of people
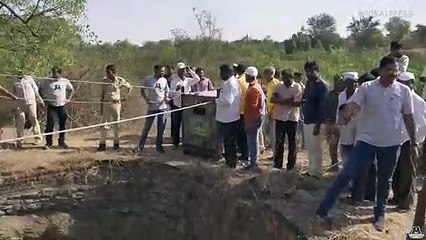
point(376, 120)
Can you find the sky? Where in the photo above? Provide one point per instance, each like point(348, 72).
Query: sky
point(139, 21)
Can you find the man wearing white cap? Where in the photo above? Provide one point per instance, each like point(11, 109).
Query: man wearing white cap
point(347, 132)
point(403, 178)
point(180, 84)
point(254, 112)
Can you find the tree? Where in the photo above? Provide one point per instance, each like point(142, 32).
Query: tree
point(322, 23)
point(398, 28)
point(322, 28)
point(365, 32)
point(35, 34)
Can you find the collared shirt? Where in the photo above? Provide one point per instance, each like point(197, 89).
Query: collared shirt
point(285, 112)
point(228, 103)
point(383, 109)
point(270, 88)
point(332, 102)
point(157, 90)
point(243, 89)
point(315, 105)
point(112, 91)
point(347, 132)
point(25, 88)
point(180, 86)
point(203, 85)
point(419, 119)
point(254, 103)
point(55, 91)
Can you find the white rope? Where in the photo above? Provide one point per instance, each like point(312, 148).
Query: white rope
point(104, 124)
point(86, 82)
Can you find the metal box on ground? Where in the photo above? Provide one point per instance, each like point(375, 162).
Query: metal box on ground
point(199, 128)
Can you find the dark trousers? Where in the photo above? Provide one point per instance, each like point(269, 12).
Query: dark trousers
point(176, 124)
point(242, 139)
point(362, 156)
point(61, 114)
point(161, 125)
point(283, 129)
point(229, 134)
point(403, 179)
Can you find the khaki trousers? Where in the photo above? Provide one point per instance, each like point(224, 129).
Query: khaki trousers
point(21, 111)
point(111, 112)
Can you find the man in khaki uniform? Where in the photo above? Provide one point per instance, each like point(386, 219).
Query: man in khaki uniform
point(111, 104)
point(25, 88)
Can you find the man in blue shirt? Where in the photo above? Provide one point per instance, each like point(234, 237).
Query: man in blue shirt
point(314, 112)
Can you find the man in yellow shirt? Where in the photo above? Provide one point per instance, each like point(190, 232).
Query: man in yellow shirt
point(269, 87)
point(241, 136)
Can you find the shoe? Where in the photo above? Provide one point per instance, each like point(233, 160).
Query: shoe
point(102, 148)
point(160, 149)
point(380, 224)
point(63, 145)
point(321, 213)
point(116, 146)
point(19, 145)
point(47, 146)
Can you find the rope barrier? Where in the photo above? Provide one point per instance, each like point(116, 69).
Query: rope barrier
point(86, 82)
point(104, 124)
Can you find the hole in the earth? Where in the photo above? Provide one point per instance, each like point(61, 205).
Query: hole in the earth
point(147, 201)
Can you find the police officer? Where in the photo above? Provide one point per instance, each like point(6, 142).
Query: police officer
point(111, 104)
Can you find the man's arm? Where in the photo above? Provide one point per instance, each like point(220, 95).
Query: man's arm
point(70, 88)
point(407, 112)
point(226, 97)
point(322, 103)
point(37, 92)
point(125, 84)
point(194, 77)
point(210, 85)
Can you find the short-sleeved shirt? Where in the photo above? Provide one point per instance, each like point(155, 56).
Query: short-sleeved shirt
point(347, 132)
point(383, 109)
point(285, 112)
point(243, 89)
point(157, 90)
point(112, 91)
point(203, 85)
point(26, 89)
point(419, 119)
point(270, 88)
point(55, 91)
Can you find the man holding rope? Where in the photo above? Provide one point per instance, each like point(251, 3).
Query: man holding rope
point(54, 90)
point(156, 94)
point(111, 104)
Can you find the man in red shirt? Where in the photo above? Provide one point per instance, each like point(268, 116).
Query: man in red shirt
point(254, 111)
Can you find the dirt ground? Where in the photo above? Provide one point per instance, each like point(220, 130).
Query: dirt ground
point(352, 222)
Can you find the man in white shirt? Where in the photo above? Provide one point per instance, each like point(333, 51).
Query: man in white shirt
point(156, 94)
point(228, 113)
point(54, 90)
point(287, 98)
point(347, 132)
point(179, 85)
point(403, 178)
point(111, 99)
point(385, 104)
point(27, 92)
point(402, 60)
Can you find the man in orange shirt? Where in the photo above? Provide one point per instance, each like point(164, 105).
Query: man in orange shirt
point(254, 112)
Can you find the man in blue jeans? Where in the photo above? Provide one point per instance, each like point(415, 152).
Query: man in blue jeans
point(386, 104)
point(156, 94)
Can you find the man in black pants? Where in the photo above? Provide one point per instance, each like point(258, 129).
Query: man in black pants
point(228, 113)
point(54, 91)
point(287, 98)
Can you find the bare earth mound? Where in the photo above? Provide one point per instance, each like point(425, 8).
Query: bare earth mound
point(80, 194)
